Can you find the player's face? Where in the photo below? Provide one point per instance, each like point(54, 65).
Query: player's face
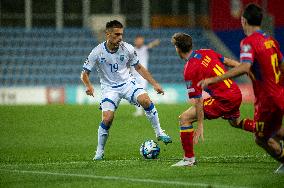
point(114, 36)
point(139, 41)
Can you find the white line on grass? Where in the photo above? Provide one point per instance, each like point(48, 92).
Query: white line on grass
point(117, 178)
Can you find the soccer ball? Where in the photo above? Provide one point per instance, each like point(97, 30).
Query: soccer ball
point(150, 149)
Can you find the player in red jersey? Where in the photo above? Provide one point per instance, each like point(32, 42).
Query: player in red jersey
point(225, 97)
point(260, 54)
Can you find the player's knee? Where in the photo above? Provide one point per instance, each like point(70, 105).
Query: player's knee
point(145, 103)
point(184, 120)
point(107, 119)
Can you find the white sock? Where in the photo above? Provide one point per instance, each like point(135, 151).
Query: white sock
point(152, 115)
point(102, 136)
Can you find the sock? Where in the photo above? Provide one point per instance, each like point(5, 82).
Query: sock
point(152, 115)
point(102, 136)
point(186, 137)
point(247, 125)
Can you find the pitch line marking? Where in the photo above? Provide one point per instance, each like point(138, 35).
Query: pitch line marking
point(136, 180)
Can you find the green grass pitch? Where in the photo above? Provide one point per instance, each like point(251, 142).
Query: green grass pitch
point(53, 146)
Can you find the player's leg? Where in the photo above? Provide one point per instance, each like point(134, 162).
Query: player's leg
point(139, 111)
point(108, 105)
point(245, 124)
point(103, 132)
point(186, 136)
point(268, 129)
point(152, 115)
point(135, 94)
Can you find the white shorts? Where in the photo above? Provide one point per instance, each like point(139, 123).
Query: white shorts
point(140, 80)
point(111, 96)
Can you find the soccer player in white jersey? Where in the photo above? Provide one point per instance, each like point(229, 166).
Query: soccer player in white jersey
point(112, 60)
point(143, 55)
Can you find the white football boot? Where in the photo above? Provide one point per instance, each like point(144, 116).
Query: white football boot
point(99, 155)
point(186, 162)
point(280, 170)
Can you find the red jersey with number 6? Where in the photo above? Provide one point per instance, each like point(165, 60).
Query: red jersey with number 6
point(263, 52)
point(206, 63)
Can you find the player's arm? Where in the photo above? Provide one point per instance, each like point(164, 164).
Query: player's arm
point(230, 62)
point(147, 76)
point(237, 71)
point(198, 102)
point(86, 81)
point(153, 44)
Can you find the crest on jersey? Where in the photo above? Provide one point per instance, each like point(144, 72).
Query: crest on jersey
point(102, 60)
point(121, 57)
point(135, 53)
point(246, 48)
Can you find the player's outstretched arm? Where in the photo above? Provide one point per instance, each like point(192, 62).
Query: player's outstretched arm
point(153, 44)
point(147, 76)
point(230, 62)
point(86, 80)
point(237, 71)
point(198, 102)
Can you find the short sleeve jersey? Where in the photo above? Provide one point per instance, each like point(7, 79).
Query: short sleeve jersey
point(263, 52)
point(113, 67)
point(206, 63)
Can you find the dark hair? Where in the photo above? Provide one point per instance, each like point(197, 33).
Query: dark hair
point(113, 24)
point(253, 14)
point(183, 41)
point(139, 36)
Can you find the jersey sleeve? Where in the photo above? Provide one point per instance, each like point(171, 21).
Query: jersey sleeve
point(247, 52)
point(133, 57)
point(90, 61)
point(220, 57)
point(191, 79)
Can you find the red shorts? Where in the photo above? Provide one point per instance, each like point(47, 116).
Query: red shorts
point(227, 109)
point(268, 118)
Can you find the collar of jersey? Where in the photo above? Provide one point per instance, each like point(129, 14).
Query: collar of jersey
point(108, 49)
point(261, 32)
point(194, 55)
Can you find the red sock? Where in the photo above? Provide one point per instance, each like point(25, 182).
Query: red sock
point(247, 125)
point(186, 137)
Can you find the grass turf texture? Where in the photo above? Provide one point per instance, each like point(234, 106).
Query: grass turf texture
point(52, 146)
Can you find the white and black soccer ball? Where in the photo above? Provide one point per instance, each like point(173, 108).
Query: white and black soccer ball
point(150, 149)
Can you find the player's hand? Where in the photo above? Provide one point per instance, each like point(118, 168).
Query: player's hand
point(90, 91)
point(159, 89)
point(204, 83)
point(197, 134)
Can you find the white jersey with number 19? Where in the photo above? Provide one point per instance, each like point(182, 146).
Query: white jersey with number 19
point(113, 67)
